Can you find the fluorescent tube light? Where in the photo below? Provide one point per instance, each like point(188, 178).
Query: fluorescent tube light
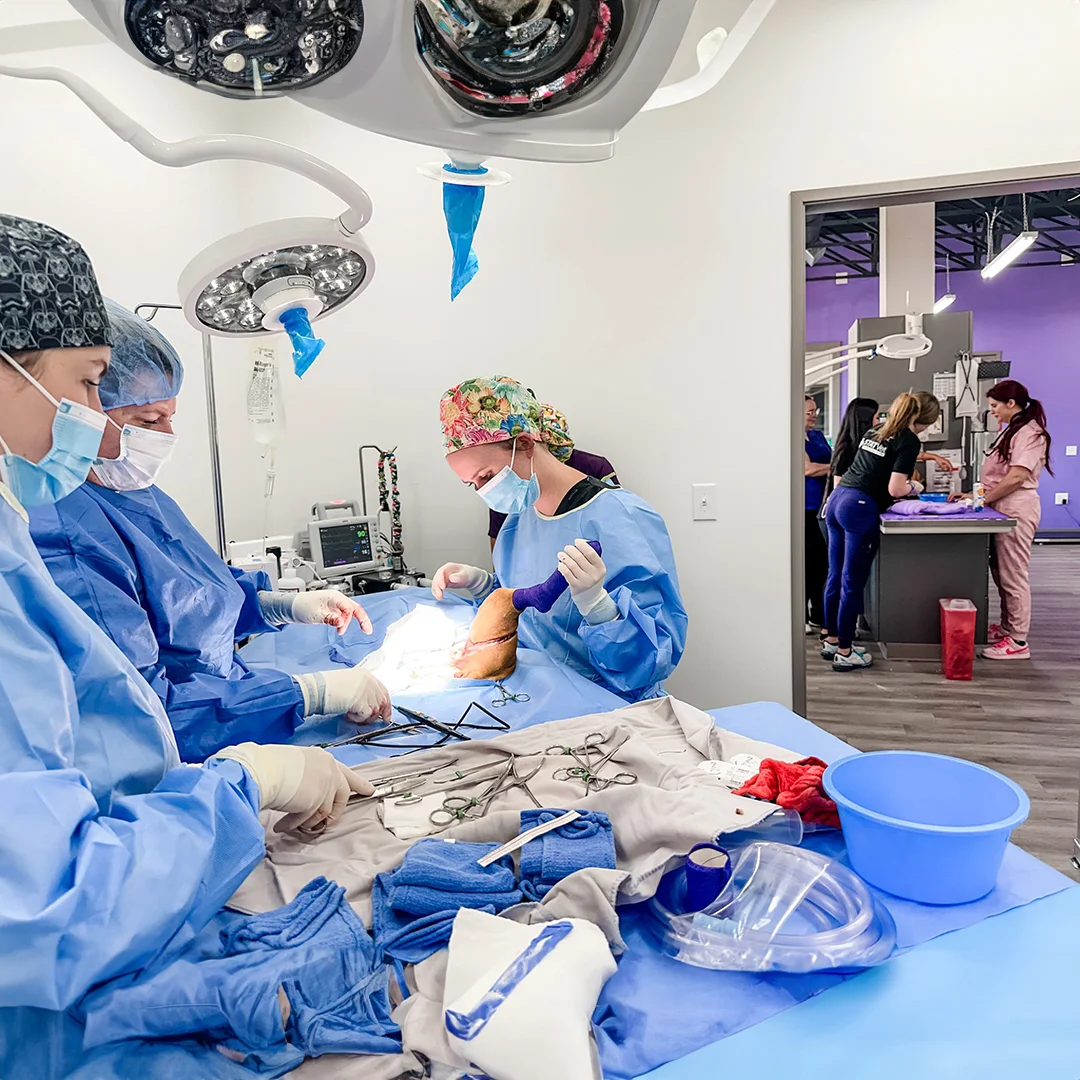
point(1010, 254)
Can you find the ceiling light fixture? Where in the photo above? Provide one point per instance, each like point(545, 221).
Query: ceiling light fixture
point(1008, 255)
point(949, 298)
point(273, 277)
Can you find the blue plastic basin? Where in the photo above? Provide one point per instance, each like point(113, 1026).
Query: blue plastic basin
point(934, 496)
point(925, 827)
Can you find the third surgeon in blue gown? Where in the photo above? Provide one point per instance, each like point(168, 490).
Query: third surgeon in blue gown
point(623, 623)
point(131, 559)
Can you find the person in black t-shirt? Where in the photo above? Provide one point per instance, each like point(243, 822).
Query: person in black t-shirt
point(879, 474)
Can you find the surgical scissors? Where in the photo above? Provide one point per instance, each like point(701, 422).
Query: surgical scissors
point(458, 808)
point(507, 697)
point(588, 771)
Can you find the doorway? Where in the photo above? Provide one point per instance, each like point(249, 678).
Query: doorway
point(1017, 717)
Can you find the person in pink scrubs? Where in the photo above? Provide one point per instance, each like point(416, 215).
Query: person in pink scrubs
point(1011, 478)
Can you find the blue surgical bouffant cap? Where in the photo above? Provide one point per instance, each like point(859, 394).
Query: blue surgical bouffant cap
point(144, 368)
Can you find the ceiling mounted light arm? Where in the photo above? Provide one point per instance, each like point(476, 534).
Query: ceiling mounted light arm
point(717, 52)
point(211, 147)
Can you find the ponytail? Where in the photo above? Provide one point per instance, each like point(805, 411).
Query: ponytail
point(903, 412)
point(1031, 411)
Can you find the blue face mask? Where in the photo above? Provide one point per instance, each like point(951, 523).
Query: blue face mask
point(76, 436)
point(506, 493)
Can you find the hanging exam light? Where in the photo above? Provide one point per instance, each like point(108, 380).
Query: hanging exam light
point(274, 277)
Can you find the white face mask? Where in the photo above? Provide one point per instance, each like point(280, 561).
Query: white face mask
point(142, 454)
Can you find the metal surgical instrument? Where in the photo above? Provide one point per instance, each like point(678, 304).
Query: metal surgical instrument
point(458, 808)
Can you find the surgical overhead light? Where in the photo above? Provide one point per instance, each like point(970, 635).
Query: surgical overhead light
point(246, 48)
point(907, 346)
point(277, 276)
point(541, 80)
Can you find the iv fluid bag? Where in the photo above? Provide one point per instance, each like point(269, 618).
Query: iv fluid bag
point(265, 408)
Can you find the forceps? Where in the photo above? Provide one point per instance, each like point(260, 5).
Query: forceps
point(507, 697)
point(458, 808)
point(587, 771)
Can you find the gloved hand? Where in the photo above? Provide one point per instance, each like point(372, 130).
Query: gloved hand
point(454, 575)
point(307, 783)
point(354, 692)
point(331, 607)
point(586, 573)
point(916, 488)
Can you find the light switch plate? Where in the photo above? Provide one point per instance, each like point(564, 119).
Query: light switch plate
point(704, 502)
point(1061, 498)
point(1070, 451)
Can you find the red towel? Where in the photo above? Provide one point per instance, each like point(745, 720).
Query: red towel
point(795, 785)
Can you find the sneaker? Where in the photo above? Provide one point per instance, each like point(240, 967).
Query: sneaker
point(997, 633)
point(1007, 649)
point(859, 658)
point(812, 628)
point(829, 649)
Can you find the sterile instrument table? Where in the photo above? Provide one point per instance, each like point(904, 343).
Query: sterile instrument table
point(923, 560)
point(992, 1000)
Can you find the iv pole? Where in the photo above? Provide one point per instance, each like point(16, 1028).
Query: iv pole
point(211, 423)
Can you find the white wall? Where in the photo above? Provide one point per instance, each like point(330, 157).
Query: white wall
point(648, 297)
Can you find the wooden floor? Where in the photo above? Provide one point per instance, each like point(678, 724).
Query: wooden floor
point(1021, 718)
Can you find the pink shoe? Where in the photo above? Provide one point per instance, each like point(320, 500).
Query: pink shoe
point(1007, 649)
point(997, 633)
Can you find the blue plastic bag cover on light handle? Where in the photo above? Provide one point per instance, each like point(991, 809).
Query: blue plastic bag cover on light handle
point(462, 206)
point(467, 1026)
point(306, 346)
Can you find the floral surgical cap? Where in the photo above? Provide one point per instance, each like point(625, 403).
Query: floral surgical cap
point(495, 408)
point(49, 296)
point(144, 368)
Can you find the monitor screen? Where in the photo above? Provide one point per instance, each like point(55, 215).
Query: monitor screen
point(346, 545)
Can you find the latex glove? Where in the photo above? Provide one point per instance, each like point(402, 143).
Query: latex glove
point(454, 575)
point(586, 572)
point(331, 607)
point(916, 488)
point(308, 784)
point(352, 692)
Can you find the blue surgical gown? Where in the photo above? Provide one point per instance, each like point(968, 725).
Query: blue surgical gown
point(111, 853)
point(633, 654)
point(138, 567)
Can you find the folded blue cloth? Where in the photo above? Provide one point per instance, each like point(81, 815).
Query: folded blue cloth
point(416, 900)
point(339, 997)
point(453, 867)
point(439, 876)
point(545, 861)
point(294, 924)
point(408, 938)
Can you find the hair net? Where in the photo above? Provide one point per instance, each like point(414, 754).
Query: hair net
point(49, 296)
point(495, 408)
point(145, 368)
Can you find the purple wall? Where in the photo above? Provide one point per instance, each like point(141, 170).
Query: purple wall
point(1031, 316)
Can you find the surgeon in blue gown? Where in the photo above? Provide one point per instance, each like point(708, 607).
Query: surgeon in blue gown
point(112, 854)
point(130, 558)
point(622, 623)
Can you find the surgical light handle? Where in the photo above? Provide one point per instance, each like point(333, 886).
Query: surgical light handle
point(717, 66)
point(211, 147)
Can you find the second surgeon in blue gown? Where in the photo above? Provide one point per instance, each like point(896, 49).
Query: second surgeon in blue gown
point(622, 623)
point(130, 558)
